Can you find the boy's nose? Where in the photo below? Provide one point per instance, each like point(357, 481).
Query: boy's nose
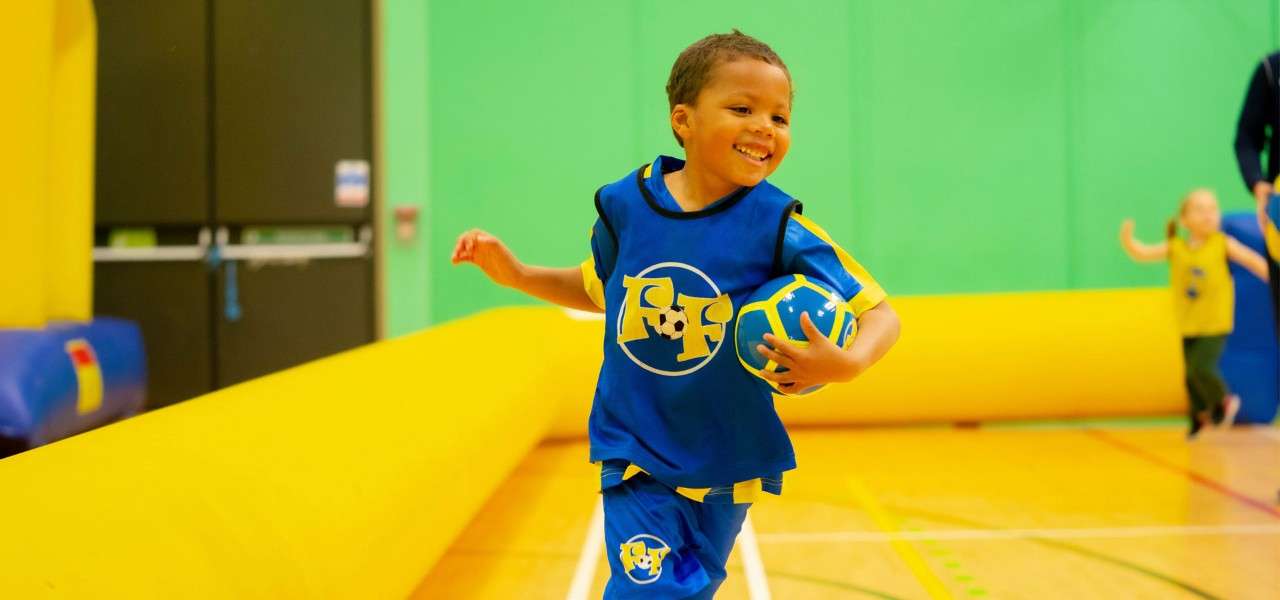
point(762, 125)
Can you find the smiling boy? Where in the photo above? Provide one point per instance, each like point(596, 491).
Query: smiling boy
point(686, 438)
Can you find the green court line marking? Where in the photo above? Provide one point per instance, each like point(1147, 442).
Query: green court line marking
point(1105, 558)
point(888, 523)
point(939, 551)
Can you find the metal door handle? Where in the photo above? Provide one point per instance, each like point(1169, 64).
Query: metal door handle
point(155, 253)
point(269, 252)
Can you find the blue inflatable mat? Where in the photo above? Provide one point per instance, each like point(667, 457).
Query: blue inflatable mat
point(68, 378)
point(1251, 362)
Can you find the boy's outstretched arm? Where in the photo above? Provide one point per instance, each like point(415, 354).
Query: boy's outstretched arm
point(823, 361)
point(563, 286)
point(1139, 251)
point(1247, 258)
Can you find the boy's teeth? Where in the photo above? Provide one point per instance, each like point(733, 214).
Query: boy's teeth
point(749, 152)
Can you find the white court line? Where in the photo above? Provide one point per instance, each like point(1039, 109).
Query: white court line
point(1271, 432)
point(592, 549)
point(757, 583)
point(1020, 534)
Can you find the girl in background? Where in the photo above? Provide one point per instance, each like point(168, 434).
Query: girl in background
point(1203, 296)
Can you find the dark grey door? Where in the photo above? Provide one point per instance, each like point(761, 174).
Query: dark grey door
point(291, 101)
point(284, 314)
point(170, 302)
point(152, 171)
point(292, 81)
point(215, 118)
point(152, 104)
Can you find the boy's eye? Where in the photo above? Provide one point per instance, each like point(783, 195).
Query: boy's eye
point(779, 119)
point(740, 109)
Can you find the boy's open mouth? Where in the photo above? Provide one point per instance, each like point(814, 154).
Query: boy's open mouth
point(753, 153)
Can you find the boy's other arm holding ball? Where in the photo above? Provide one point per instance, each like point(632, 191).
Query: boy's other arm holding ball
point(562, 286)
point(821, 361)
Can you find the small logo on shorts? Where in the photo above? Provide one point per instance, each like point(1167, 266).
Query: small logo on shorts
point(642, 558)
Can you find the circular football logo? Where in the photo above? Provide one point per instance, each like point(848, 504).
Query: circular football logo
point(642, 557)
point(673, 320)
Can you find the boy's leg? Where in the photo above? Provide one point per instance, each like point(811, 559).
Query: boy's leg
point(718, 528)
point(650, 540)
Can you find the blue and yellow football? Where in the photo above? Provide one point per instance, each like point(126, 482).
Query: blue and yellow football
point(775, 307)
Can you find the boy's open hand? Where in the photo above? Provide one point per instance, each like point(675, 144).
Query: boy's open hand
point(489, 253)
point(818, 363)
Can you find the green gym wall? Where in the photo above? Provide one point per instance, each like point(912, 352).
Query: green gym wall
point(952, 147)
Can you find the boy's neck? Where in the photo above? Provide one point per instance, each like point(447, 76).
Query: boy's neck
point(694, 189)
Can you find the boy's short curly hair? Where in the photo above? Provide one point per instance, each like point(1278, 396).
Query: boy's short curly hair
point(692, 69)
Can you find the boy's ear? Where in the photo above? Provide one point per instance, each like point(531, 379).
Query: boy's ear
point(680, 120)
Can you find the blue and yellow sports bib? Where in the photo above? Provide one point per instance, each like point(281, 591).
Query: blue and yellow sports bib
point(672, 398)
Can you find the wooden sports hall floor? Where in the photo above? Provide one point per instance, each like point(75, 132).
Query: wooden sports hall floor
point(1094, 511)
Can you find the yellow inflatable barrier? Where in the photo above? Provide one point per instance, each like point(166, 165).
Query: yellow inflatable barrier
point(343, 478)
point(992, 356)
point(26, 40)
point(46, 207)
point(349, 476)
point(69, 213)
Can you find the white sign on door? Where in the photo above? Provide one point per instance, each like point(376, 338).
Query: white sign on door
point(351, 183)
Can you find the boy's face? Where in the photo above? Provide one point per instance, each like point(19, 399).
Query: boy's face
point(739, 126)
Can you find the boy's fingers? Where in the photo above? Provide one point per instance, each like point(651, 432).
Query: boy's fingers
point(776, 357)
point(810, 330)
point(779, 345)
point(779, 378)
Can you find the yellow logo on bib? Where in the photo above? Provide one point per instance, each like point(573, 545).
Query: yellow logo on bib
point(652, 305)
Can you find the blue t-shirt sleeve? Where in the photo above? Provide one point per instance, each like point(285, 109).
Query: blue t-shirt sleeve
point(808, 250)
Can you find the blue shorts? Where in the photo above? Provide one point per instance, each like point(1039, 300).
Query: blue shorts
point(663, 545)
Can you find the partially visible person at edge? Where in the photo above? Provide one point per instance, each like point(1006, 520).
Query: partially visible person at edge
point(1259, 128)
